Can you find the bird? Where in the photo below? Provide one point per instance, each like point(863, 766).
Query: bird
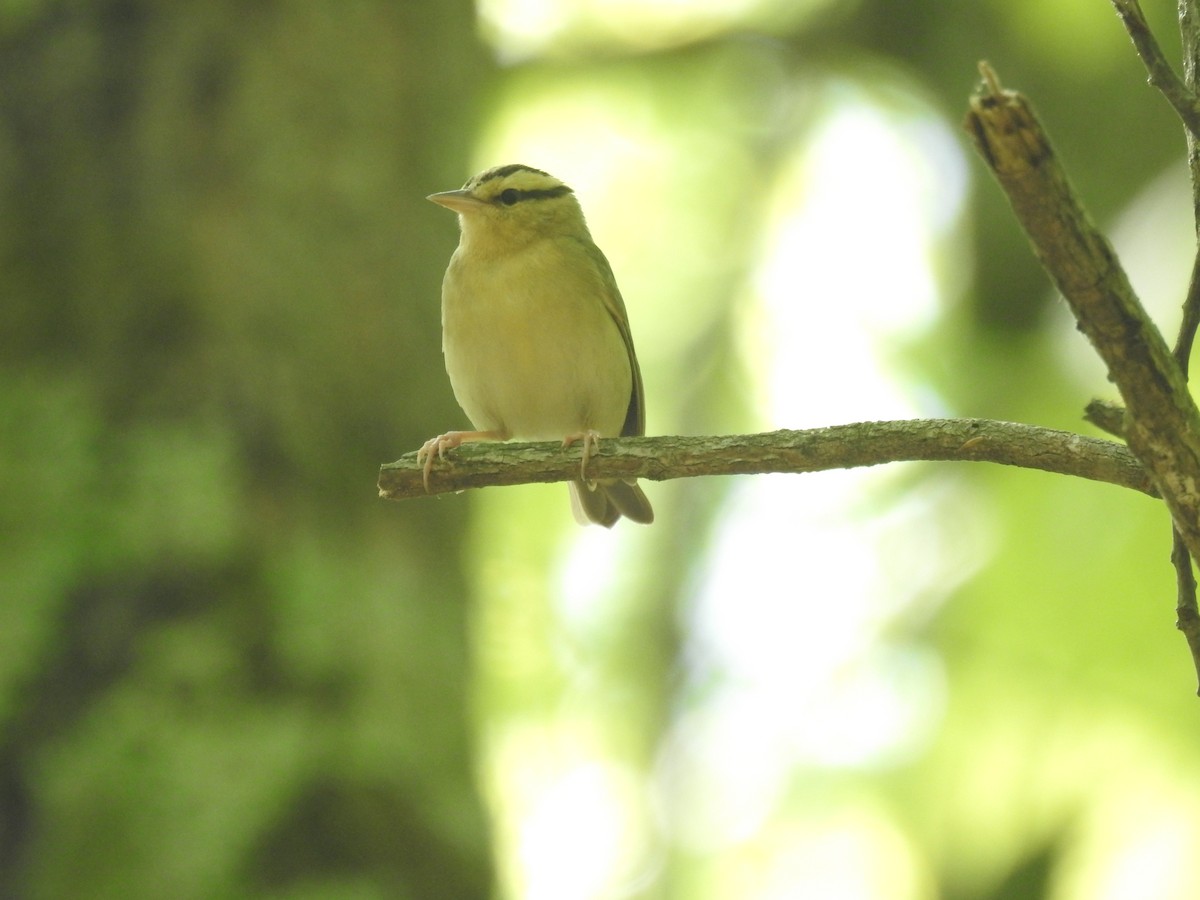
point(535, 335)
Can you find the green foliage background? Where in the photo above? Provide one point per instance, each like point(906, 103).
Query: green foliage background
point(227, 669)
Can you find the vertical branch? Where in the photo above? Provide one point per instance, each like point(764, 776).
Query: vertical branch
point(1187, 616)
point(1187, 612)
point(1189, 30)
point(1191, 317)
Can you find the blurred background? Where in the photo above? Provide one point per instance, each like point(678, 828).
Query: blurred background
point(228, 670)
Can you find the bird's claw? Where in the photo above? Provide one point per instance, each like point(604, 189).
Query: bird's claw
point(591, 442)
point(435, 448)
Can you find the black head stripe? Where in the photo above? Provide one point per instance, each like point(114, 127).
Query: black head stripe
point(540, 194)
point(513, 194)
point(505, 171)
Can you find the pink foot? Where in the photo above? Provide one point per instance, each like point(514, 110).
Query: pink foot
point(435, 448)
point(591, 442)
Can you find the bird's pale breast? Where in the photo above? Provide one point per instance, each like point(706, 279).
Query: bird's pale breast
point(530, 348)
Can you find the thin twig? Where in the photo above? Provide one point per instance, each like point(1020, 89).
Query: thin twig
point(1187, 610)
point(1162, 76)
point(1187, 619)
point(818, 449)
point(1190, 321)
point(1189, 33)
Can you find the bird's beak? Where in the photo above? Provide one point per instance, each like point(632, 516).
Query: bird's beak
point(459, 201)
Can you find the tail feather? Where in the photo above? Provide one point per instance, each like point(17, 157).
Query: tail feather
point(607, 501)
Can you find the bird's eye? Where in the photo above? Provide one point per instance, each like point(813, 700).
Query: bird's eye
point(510, 196)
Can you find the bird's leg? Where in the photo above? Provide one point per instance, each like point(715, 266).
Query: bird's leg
point(437, 447)
point(591, 441)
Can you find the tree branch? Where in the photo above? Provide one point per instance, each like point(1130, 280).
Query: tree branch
point(1187, 619)
point(1189, 32)
point(1187, 612)
point(838, 447)
point(1190, 321)
point(1162, 76)
point(1162, 424)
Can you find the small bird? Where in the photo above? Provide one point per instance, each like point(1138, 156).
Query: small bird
point(535, 334)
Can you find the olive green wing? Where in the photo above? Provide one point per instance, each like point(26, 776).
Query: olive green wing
point(635, 415)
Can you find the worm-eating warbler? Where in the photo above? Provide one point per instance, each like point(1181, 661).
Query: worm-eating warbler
point(535, 334)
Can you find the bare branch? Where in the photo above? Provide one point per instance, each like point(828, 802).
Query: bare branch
point(1187, 613)
point(1190, 321)
point(1186, 618)
point(819, 449)
point(1189, 32)
point(1162, 76)
point(1162, 424)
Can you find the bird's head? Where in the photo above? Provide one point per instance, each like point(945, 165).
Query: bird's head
point(510, 206)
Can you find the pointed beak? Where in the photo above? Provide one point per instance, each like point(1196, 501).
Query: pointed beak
point(459, 201)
